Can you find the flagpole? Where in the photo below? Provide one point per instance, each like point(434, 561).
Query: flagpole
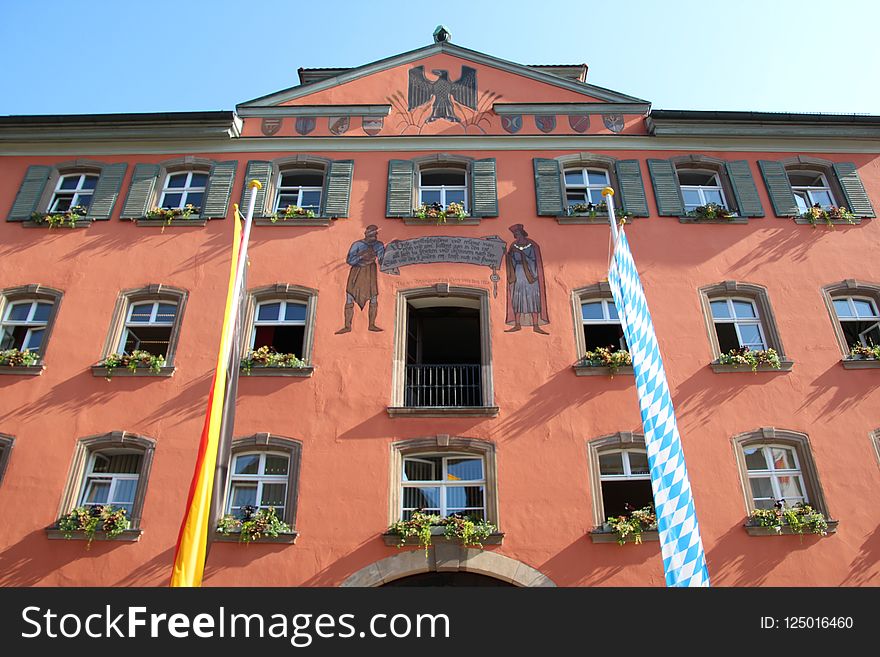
point(608, 195)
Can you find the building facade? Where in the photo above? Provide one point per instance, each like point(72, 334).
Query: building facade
point(431, 246)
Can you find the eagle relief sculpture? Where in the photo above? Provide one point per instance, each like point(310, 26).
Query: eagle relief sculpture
point(443, 91)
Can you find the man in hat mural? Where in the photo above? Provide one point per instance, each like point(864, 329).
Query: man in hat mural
point(363, 285)
point(526, 295)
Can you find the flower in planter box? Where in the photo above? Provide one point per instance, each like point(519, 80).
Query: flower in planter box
point(436, 212)
point(751, 358)
point(468, 530)
point(17, 358)
point(633, 523)
point(266, 356)
point(254, 523)
point(89, 519)
point(134, 360)
point(828, 215)
point(67, 218)
point(859, 351)
point(170, 214)
point(291, 212)
point(711, 211)
point(607, 357)
point(800, 518)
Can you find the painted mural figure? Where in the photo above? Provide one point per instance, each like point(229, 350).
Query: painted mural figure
point(463, 90)
point(526, 294)
point(363, 283)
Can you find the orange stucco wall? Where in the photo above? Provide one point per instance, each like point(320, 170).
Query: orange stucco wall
point(547, 414)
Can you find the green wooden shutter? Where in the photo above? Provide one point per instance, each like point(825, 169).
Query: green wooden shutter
point(667, 191)
point(632, 190)
point(337, 188)
point(399, 200)
point(256, 170)
point(779, 188)
point(748, 203)
point(29, 193)
point(140, 191)
point(218, 190)
point(857, 200)
point(107, 191)
point(484, 188)
point(548, 188)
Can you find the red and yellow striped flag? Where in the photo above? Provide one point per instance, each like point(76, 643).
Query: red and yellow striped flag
point(192, 541)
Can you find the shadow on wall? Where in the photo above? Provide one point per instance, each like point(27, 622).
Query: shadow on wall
point(584, 563)
point(865, 568)
point(155, 572)
point(564, 392)
point(839, 400)
point(365, 554)
point(738, 559)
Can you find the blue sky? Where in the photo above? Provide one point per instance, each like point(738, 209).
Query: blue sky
point(80, 57)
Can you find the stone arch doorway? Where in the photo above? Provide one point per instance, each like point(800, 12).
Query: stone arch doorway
point(448, 558)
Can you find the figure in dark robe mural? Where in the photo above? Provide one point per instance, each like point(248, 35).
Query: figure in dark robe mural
point(463, 90)
point(526, 294)
point(363, 283)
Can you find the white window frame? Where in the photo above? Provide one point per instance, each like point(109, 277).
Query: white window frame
point(260, 479)
point(701, 189)
point(114, 479)
point(774, 474)
point(298, 190)
point(154, 311)
point(443, 188)
point(737, 321)
point(627, 469)
point(801, 190)
point(29, 322)
point(75, 193)
point(606, 317)
point(855, 317)
point(282, 311)
point(443, 483)
point(587, 187)
point(184, 191)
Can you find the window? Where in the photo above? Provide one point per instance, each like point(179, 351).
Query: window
point(810, 188)
point(300, 188)
point(72, 190)
point(147, 319)
point(583, 186)
point(27, 314)
point(442, 186)
point(111, 478)
point(184, 188)
point(112, 468)
point(739, 315)
point(776, 464)
point(148, 327)
point(264, 472)
point(619, 475)
point(444, 475)
point(700, 187)
point(442, 353)
point(443, 484)
point(6, 443)
point(737, 324)
point(24, 324)
point(282, 318)
point(258, 479)
point(601, 325)
point(859, 320)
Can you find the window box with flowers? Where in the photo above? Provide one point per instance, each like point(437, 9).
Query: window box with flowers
point(102, 522)
point(862, 357)
point(137, 363)
point(635, 526)
point(73, 217)
point(265, 361)
point(435, 214)
point(424, 529)
point(188, 215)
point(830, 216)
point(590, 213)
point(292, 215)
point(712, 213)
point(255, 526)
point(756, 360)
point(781, 519)
point(15, 361)
point(604, 361)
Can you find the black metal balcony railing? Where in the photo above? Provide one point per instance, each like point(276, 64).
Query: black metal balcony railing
point(443, 385)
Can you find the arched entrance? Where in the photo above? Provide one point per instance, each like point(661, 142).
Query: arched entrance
point(447, 579)
point(448, 559)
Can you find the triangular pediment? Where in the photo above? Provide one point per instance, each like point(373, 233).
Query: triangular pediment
point(439, 89)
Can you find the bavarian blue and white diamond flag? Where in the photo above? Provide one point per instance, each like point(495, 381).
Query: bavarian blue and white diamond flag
point(683, 559)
